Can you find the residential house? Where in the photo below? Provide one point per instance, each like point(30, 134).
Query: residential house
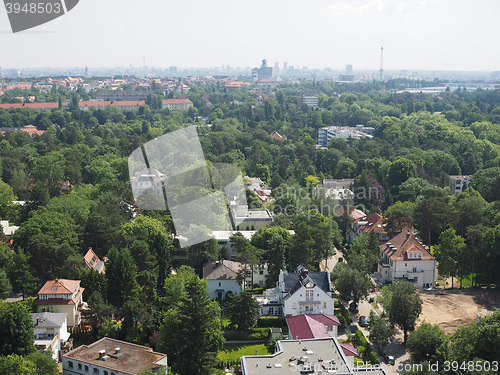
point(278, 136)
point(51, 332)
point(8, 229)
point(92, 262)
point(307, 356)
point(366, 224)
point(459, 184)
point(223, 238)
point(147, 181)
point(260, 189)
point(180, 104)
point(327, 133)
point(406, 258)
point(299, 292)
point(62, 296)
point(225, 276)
point(112, 357)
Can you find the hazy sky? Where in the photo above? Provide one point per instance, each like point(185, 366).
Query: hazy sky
point(416, 34)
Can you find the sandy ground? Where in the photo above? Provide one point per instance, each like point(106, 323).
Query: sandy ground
point(453, 308)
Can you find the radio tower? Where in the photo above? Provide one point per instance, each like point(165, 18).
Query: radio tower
point(381, 63)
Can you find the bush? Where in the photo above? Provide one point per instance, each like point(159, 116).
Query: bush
point(342, 320)
point(361, 339)
point(345, 313)
point(373, 358)
point(271, 322)
point(371, 300)
point(258, 289)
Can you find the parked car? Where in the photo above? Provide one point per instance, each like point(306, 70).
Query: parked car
point(389, 359)
point(363, 321)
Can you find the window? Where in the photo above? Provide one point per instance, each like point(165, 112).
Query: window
point(70, 364)
point(270, 311)
point(219, 284)
point(80, 366)
point(96, 371)
point(105, 373)
point(261, 271)
point(86, 368)
point(309, 295)
point(414, 269)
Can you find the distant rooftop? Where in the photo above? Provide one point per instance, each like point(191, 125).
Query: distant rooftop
point(131, 358)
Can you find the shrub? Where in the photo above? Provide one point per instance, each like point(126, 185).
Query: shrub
point(361, 339)
point(371, 300)
point(345, 313)
point(373, 358)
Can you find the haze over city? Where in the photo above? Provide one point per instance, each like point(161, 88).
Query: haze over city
point(419, 35)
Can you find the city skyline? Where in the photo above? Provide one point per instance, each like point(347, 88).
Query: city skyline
point(441, 35)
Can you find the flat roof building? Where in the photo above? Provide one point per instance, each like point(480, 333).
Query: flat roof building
point(112, 357)
point(315, 356)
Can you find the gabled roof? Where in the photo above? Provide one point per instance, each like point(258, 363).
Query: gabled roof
point(92, 261)
point(310, 326)
point(374, 223)
point(60, 286)
point(294, 281)
point(314, 326)
point(221, 270)
point(397, 248)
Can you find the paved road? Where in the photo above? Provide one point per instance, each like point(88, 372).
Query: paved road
point(395, 348)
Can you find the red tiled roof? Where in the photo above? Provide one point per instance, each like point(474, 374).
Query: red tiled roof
point(175, 101)
point(348, 350)
point(29, 105)
point(310, 326)
point(60, 286)
point(404, 243)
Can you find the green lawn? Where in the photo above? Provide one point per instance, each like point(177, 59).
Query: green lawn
point(236, 351)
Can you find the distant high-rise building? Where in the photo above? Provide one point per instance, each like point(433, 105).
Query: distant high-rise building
point(348, 69)
point(285, 67)
point(86, 71)
point(173, 70)
point(276, 71)
point(264, 72)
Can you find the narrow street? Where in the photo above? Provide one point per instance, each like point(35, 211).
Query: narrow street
point(394, 348)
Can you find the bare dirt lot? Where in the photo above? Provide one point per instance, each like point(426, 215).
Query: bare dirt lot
point(457, 307)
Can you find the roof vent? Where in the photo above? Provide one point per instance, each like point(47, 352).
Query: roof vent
point(269, 365)
point(102, 353)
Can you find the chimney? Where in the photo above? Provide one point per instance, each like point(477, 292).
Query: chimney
point(117, 350)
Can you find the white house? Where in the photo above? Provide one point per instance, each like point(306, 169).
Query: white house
point(300, 292)
point(222, 277)
point(51, 332)
point(405, 257)
point(62, 296)
point(225, 276)
point(459, 184)
point(112, 357)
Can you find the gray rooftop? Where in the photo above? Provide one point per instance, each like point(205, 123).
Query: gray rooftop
point(48, 320)
point(293, 281)
point(301, 356)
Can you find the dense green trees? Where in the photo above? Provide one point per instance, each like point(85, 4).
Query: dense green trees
point(16, 330)
point(244, 310)
point(428, 342)
point(191, 332)
point(403, 306)
point(350, 282)
point(380, 331)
